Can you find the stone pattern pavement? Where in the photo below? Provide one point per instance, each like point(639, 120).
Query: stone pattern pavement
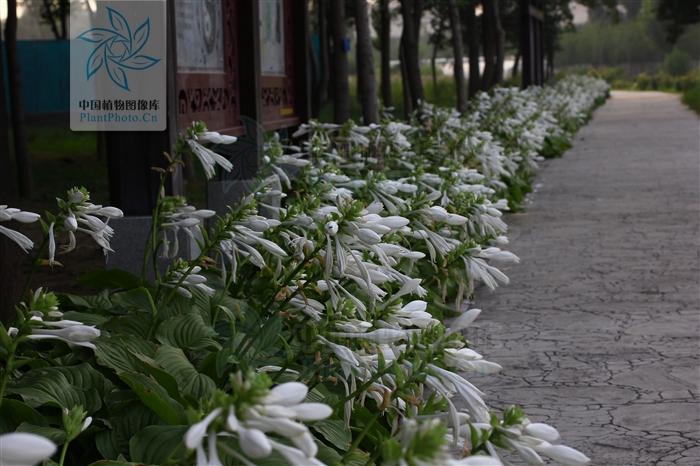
point(598, 332)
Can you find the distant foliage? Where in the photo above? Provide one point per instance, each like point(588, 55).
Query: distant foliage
point(677, 63)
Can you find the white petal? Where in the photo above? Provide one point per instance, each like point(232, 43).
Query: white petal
point(24, 449)
point(290, 393)
point(542, 431)
point(254, 443)
point(312, 411)
point(194, 435)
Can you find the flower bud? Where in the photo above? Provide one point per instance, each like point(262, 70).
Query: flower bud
point(70, 224)
point(20, 448)
point(254, 443)
point(331, 228)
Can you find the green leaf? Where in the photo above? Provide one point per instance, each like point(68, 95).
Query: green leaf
point(335, 432)
point(188, 379)
point(99, 301)
point(327, 455)
point(133, 323)
point(155, 397)
point(85, 317)
point(125, 424)
point(64, 387)
point(57, 436)
point(114, 278)
point(133, 299)
point(187, 332)
point(115, 463)
point(113, 353)
point(15, 412)
point(154, 444)
point(161, 376)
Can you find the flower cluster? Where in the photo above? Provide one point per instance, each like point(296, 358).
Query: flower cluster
point(312, 326)
point(258, 417)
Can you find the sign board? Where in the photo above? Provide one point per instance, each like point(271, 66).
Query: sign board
point(207, 64)
point(277, 33)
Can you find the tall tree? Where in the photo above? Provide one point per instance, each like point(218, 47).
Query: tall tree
point(473, 43)
point(409, 44)
point(500, 42)
point(440, 23)
point(678, 14)
point(456, 26)
point(22, 155)
point(325, 56)
point(10, 253)
point(489, 42)
point(341, 89)
point(367, 83)
point(55, 13)
point(385, 46)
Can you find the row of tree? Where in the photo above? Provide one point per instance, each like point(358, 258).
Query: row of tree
point(471, 28)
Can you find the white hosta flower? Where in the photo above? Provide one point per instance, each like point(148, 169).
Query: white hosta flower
point(287, 394)
point(331, 228)
point(216, 138)
point(21, 240)
point(383, 335)
point(563, 454)
point(209, 159)
point(254, 443)
point(195, 434)
point(542, 431)
point(24, 449)
point(74, 333)
point(11, 213)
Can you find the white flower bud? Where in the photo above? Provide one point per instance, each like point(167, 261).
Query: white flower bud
point(287, 394)
point(70, 224)
point(542, 431)
point(254, 443)
point(368, 236)
point(564, 455)
point(331, 228)
point(194, 435)
point(24, 449)
point(312, 411)
point(25, 217)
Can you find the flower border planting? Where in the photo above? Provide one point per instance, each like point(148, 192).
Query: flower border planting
point(313, 334)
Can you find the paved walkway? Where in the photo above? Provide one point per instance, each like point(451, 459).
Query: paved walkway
point(598, 332)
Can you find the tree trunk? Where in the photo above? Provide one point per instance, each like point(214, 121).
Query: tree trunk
point(64, 10)
point(433, 70)
point(456, 26)
point(385, 44)
point(367, 82)
point(407, 101)
point(410, 51)
point(10, 253)
point(51, 20)
point(473, 38)
point(24, 162)
point(325, 59)
point(341, 90)
point(316, 82)
point(489, 41)
point(514, 74)
point(417, 16)
point(500, 42)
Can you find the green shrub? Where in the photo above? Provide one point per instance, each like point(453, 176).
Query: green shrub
point(677, 63)
point(643, 82)
point(691, 97)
